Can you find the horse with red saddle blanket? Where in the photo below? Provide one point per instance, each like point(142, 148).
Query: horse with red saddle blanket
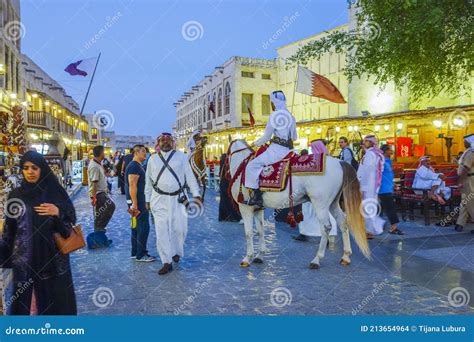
point(319, 179)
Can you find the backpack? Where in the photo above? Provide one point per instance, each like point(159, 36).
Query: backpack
point(354, 162)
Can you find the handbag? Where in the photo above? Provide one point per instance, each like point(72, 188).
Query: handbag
point(74, 242)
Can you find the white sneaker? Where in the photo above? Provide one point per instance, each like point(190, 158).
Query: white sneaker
point(147, 258)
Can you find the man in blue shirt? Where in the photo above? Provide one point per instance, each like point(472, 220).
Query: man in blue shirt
point(135, 192)
point(386, 191)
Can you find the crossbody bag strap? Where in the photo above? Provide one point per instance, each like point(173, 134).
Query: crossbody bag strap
point(165, 163)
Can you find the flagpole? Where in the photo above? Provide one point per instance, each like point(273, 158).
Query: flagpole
point(294, 89)
point(76, 126)
point(90, 84)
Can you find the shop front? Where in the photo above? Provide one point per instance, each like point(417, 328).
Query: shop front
point(436, 132)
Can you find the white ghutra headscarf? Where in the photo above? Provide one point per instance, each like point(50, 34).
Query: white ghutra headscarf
point(469, 139)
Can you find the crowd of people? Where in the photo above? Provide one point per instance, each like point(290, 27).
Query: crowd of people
point(158, 184)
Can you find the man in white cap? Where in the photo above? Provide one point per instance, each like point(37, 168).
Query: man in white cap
point(466, 182)
point(370, 178)
point(167, 174)
point(281, 132)
point(427, 179)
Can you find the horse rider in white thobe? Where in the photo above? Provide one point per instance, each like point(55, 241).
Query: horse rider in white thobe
point(427, 179)
point(191, 145)
point(281, 132)
point(370, 178)
point(167, 174)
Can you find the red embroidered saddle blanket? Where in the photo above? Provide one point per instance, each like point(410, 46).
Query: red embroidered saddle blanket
point(274, 177)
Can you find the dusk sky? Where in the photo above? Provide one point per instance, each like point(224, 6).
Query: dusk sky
point(146, 62)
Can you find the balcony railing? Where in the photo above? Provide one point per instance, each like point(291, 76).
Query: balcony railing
point(62, 127)
point(39, 119)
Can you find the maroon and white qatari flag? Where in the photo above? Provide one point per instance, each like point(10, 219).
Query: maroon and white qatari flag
point(313, 84)
point(211, 100)
point(83, 67)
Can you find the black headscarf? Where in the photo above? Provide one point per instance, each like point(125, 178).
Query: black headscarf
point(47, 186)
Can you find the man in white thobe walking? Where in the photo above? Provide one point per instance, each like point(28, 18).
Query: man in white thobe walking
point(281, 132)
point(370, 177)
point(164, 192)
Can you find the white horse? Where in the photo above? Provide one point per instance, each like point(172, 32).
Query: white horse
point(324, 192)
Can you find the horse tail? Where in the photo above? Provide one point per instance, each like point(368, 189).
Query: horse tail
point(352, 203)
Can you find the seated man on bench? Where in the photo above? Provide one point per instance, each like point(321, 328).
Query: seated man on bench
point(427, 179)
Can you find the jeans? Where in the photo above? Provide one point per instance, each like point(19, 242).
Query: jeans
point(388, 207)
point(140, 235)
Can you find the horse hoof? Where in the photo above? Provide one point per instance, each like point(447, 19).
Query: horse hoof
point(244, 264)
point(258, 260)
point(314, 266)
point(344, 262)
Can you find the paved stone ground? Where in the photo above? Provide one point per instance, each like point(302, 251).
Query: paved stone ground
point(411, 274)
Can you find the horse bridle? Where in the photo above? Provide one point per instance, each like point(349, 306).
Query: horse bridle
point(247, 147)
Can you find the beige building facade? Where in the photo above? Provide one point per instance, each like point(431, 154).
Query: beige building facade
point(233, 87)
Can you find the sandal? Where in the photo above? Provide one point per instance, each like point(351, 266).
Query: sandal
point(396, 231)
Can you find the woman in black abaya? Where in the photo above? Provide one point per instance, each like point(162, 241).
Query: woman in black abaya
point(227, 211)
point(35, 211)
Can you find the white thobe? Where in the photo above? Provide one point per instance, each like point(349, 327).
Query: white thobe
point(170, 216)
point(310, 226)
point(282, 125)
point(426, 178)
point(367, 175)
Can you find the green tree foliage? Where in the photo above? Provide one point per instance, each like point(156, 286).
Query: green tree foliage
point(427, 45)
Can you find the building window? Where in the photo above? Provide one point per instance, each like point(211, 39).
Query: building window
point(94, 133)
point(266, 76)
point(219, 103)
point(227, 98)
point(247, 74)
point(247, 101)
point(266, 107)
